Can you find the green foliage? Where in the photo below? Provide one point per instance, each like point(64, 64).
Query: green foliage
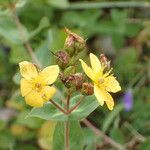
point(75, 136)
point(117, 135)
point(50, 112)
point(126, 64)
point(122, 34)
point(110, 118)
point(6, 140)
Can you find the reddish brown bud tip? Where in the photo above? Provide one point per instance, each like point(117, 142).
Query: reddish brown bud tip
point(87, 88)
point(73, 36)
point(74, 43)
point(62, 58)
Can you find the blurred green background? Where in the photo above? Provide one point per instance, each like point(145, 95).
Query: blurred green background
point(120, 30)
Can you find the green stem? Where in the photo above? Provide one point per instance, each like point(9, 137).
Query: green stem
point(116, 4)
point(67, 135)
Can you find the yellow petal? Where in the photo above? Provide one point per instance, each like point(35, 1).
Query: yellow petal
point(109, 100)
point(95, 63)
point(112, 85)
point(89, 72)
point(47, 92)
point(34, 99)
point(28, 70)
point(26, 87)
point(49, 75)
point(102, 96)
point(99, 95)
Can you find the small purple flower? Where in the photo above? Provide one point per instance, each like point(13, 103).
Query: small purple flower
point(128, 100)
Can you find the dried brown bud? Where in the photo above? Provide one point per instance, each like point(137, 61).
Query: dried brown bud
point(78, 80)
point(62, 58)
point(74, 80)
point(87, 88)
point(74, 36)
point(74, 43)
point(62, 77)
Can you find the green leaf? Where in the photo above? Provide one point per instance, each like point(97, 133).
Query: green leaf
point(33, 123)
point(59, 3)
point(117, 135)
point(88, 105)
point(9, 31)
point(18, 53)
point(44, 23)
point(43, 51)
point(118, 17)
point(110, 118)
point(75, 136)
point(90, 140)
point(145, 145)
point(45, 139)
point(49, 112)
point(6, 140)
point(25, 147)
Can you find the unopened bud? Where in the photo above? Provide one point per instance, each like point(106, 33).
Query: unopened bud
point(87, 88)
point(74, 80)
point(62, 58)
point(78, 80)
point(74, 43)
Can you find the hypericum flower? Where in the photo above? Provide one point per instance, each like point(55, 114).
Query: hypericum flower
point(128, 100)
point(104, 82)
point(35, 84)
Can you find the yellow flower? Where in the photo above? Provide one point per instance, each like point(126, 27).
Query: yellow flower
point(35, 84)
point(104, 82)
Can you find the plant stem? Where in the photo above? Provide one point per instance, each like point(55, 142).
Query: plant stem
point(68, 101)
point(67, 122)
point(59, 107)
point(98, 5)
point(105, 137)
point(22, 35)
point(67, 135)
point(74, 107)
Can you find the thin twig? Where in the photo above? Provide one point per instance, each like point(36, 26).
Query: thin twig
point(74, 107)
point(58, 106)
point(105, 137)
point(22, 35)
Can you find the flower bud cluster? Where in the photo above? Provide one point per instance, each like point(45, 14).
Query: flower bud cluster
point(67, 59)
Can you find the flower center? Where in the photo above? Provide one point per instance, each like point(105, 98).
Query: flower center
point(101, 80)
point(38, 87)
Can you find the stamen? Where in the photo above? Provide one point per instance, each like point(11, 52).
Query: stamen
point(101, 80)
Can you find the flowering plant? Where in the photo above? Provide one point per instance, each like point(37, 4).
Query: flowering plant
point(80, 97)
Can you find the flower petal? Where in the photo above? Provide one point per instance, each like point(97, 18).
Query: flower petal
point(109, 101)
point(49, 75)
point(28, 70)
point(99, 95)
point(112, 85)
point(26, 87)
point(95, 63)
point(34, 99)
point(47, 92)
point(89, 72)
point(102, 96)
